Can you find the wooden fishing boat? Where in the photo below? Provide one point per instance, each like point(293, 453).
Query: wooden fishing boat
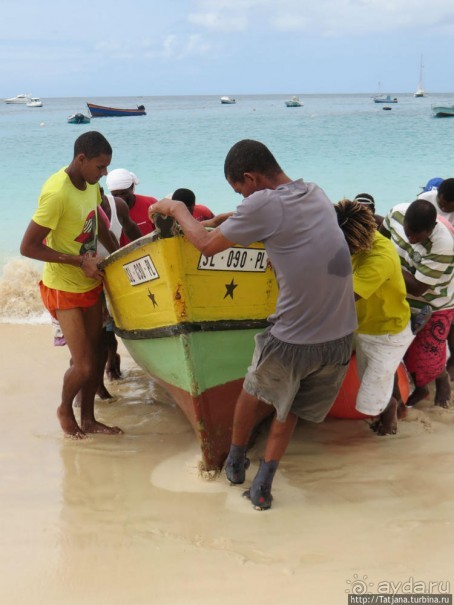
point(102, 111)
point(189, 321)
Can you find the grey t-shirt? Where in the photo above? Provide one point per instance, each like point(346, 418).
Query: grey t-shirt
point(298, 226)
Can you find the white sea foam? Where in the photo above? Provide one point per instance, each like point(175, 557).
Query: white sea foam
point(20, 300)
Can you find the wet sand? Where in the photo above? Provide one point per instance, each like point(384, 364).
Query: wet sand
point(128, 520)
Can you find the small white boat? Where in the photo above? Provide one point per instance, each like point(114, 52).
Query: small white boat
point(420, 92)
point(19, 99)
point(35, 102)
point(228, 101)
point(294, 102)
point(79, 118)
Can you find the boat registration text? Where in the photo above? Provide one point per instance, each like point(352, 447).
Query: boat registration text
point(141, 270)
point(237, 259)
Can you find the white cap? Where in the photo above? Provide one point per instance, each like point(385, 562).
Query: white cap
point(120, 179)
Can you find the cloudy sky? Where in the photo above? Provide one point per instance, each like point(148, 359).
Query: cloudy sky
point(177, 47)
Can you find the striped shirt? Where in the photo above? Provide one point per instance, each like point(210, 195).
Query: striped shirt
point(430, 262)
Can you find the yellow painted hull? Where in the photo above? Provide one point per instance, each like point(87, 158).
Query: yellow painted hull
point(166, 282)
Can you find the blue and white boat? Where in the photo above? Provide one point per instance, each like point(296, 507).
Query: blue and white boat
point(385, 99)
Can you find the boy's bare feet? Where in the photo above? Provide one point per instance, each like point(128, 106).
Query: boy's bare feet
point(69, 424)
point(386, 424)
point(113, 368)
point(103, 393)
point(442, 390)
point(450, 367)
point(418, 395)
point(93, 426)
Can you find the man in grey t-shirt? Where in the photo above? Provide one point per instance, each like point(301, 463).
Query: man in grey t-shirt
point(300, 361)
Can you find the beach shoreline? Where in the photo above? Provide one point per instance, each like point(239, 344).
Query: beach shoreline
point(129, 520)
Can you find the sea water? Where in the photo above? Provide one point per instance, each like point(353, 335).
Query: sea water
point(347, 144)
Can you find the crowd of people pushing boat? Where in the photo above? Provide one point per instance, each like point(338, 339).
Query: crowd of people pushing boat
point(348, 280)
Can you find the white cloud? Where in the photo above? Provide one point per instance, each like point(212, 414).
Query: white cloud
point(325, 17)
point(220, 21)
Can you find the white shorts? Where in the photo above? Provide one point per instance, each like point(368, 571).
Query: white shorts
point(377, 359)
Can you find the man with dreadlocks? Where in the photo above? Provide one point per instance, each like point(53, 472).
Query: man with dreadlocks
point(384, 331)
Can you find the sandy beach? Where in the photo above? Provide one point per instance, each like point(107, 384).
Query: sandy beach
point(128, 520)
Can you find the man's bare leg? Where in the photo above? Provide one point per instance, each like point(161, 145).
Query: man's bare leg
point(386, 424)
point(72, 325)
point(93, 329)
point(82, 331)
point(248, 411)
point(279, 437)
point(442, 390)
point(450, 364)
point(418, 394)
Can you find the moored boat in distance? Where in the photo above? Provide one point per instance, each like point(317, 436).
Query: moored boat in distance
point(420, 92)
point(294, 102)
point(35, 102)
point(443, 111)
point(102, 111)
point(79, 118)
point(228, 100)
point(385, 99)
point(21, 99)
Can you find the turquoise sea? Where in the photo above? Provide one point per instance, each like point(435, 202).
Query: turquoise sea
point(345, 143)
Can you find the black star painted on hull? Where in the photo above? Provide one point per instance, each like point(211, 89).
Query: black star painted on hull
point(230, 288)
point(152, 298)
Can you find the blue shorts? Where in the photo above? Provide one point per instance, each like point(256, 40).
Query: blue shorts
point(302, 379)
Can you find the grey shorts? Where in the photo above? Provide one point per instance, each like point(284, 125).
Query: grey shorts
point(303, 379)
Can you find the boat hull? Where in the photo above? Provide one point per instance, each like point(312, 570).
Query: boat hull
point(443, 111)
point(18, 100)
point(386, 99)
point(190, 322)
point(101, 111)
point(79, 118)
point(203, 373)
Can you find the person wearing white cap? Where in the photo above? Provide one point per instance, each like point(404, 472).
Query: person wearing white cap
point(121, 183)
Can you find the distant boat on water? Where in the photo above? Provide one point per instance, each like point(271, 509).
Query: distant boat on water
point(102, 111)
point(294, 102)
point(35, 102)
point(79, 118)
point(443, 111)
point(385, 99)
point(228, 100)
point(21, 99)
point(420, 92)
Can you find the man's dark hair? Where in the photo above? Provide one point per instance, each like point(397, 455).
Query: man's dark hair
point(92, 144)
point(446, 190)
point(358, 225)
point(186, 196)
point(420, 216)
point(249, 156)
point(366, 199)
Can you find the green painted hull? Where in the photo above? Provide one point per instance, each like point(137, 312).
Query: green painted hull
point(203, 372)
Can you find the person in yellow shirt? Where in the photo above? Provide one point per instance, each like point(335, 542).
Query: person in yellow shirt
point(63, 233)
point(384, 328)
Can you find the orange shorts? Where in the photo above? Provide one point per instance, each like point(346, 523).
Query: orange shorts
point(55, 300)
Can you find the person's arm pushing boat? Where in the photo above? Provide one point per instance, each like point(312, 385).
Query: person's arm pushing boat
point(208, 242)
